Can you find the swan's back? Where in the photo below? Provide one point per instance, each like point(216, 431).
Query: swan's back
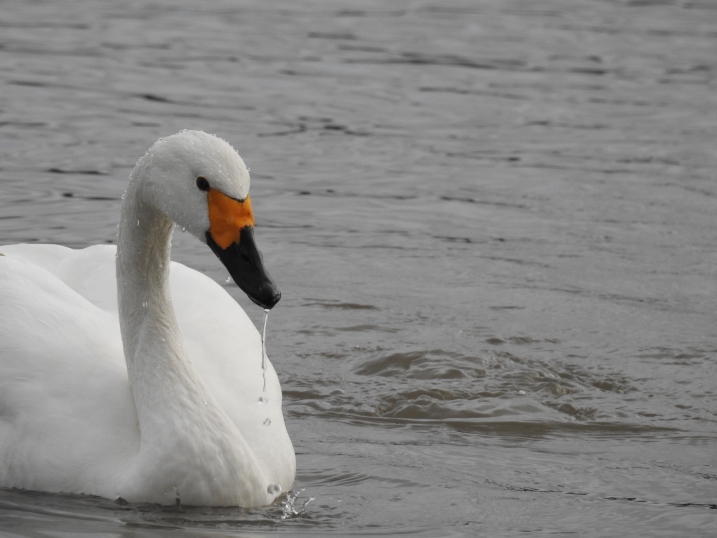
point(59, 356)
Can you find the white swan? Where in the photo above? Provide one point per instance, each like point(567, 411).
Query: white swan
point(154, 397)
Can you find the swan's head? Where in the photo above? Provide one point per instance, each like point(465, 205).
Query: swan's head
point(201, 183)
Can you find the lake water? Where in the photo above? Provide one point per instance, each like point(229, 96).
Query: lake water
point(494, 225)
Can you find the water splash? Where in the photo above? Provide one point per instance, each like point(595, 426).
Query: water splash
point(263, 348)
point(289, 508)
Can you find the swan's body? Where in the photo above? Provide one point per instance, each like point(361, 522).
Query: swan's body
point(104, 391)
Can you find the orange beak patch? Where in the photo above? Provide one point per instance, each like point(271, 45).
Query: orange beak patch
point(227, 217)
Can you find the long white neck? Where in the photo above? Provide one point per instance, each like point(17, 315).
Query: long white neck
point(187, 442)
point(156, 361)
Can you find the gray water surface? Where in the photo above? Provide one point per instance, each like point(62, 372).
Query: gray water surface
point(493, 224)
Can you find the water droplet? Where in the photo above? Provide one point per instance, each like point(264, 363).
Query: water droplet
point(144, 304)
point(137, 223)
point(521, 392)
point(274, 489)
point(228, 280)
point(267, 422)
point(263, 400)
point(184, 229)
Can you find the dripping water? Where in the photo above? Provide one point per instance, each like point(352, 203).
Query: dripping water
point(263, 348)
point(263, 399)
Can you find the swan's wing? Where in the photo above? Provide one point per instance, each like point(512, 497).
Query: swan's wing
point(45, 256)
point(225, 348)
point(64, 396)
point(90, 272)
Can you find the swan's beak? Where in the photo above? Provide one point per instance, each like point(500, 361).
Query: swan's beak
point(231, 238)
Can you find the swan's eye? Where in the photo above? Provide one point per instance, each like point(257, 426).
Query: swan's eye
point(202, 183)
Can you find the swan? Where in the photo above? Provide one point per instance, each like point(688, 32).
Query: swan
point(123, 374)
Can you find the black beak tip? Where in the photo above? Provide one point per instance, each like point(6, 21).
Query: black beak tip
point(268, 301)
point(275, 299)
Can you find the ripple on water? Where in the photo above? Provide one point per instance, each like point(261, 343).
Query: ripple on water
point(433, 364)
point(498, 430)
point(457, 388)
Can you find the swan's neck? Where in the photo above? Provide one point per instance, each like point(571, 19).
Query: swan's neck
point(162, 379)
point(185, 436)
